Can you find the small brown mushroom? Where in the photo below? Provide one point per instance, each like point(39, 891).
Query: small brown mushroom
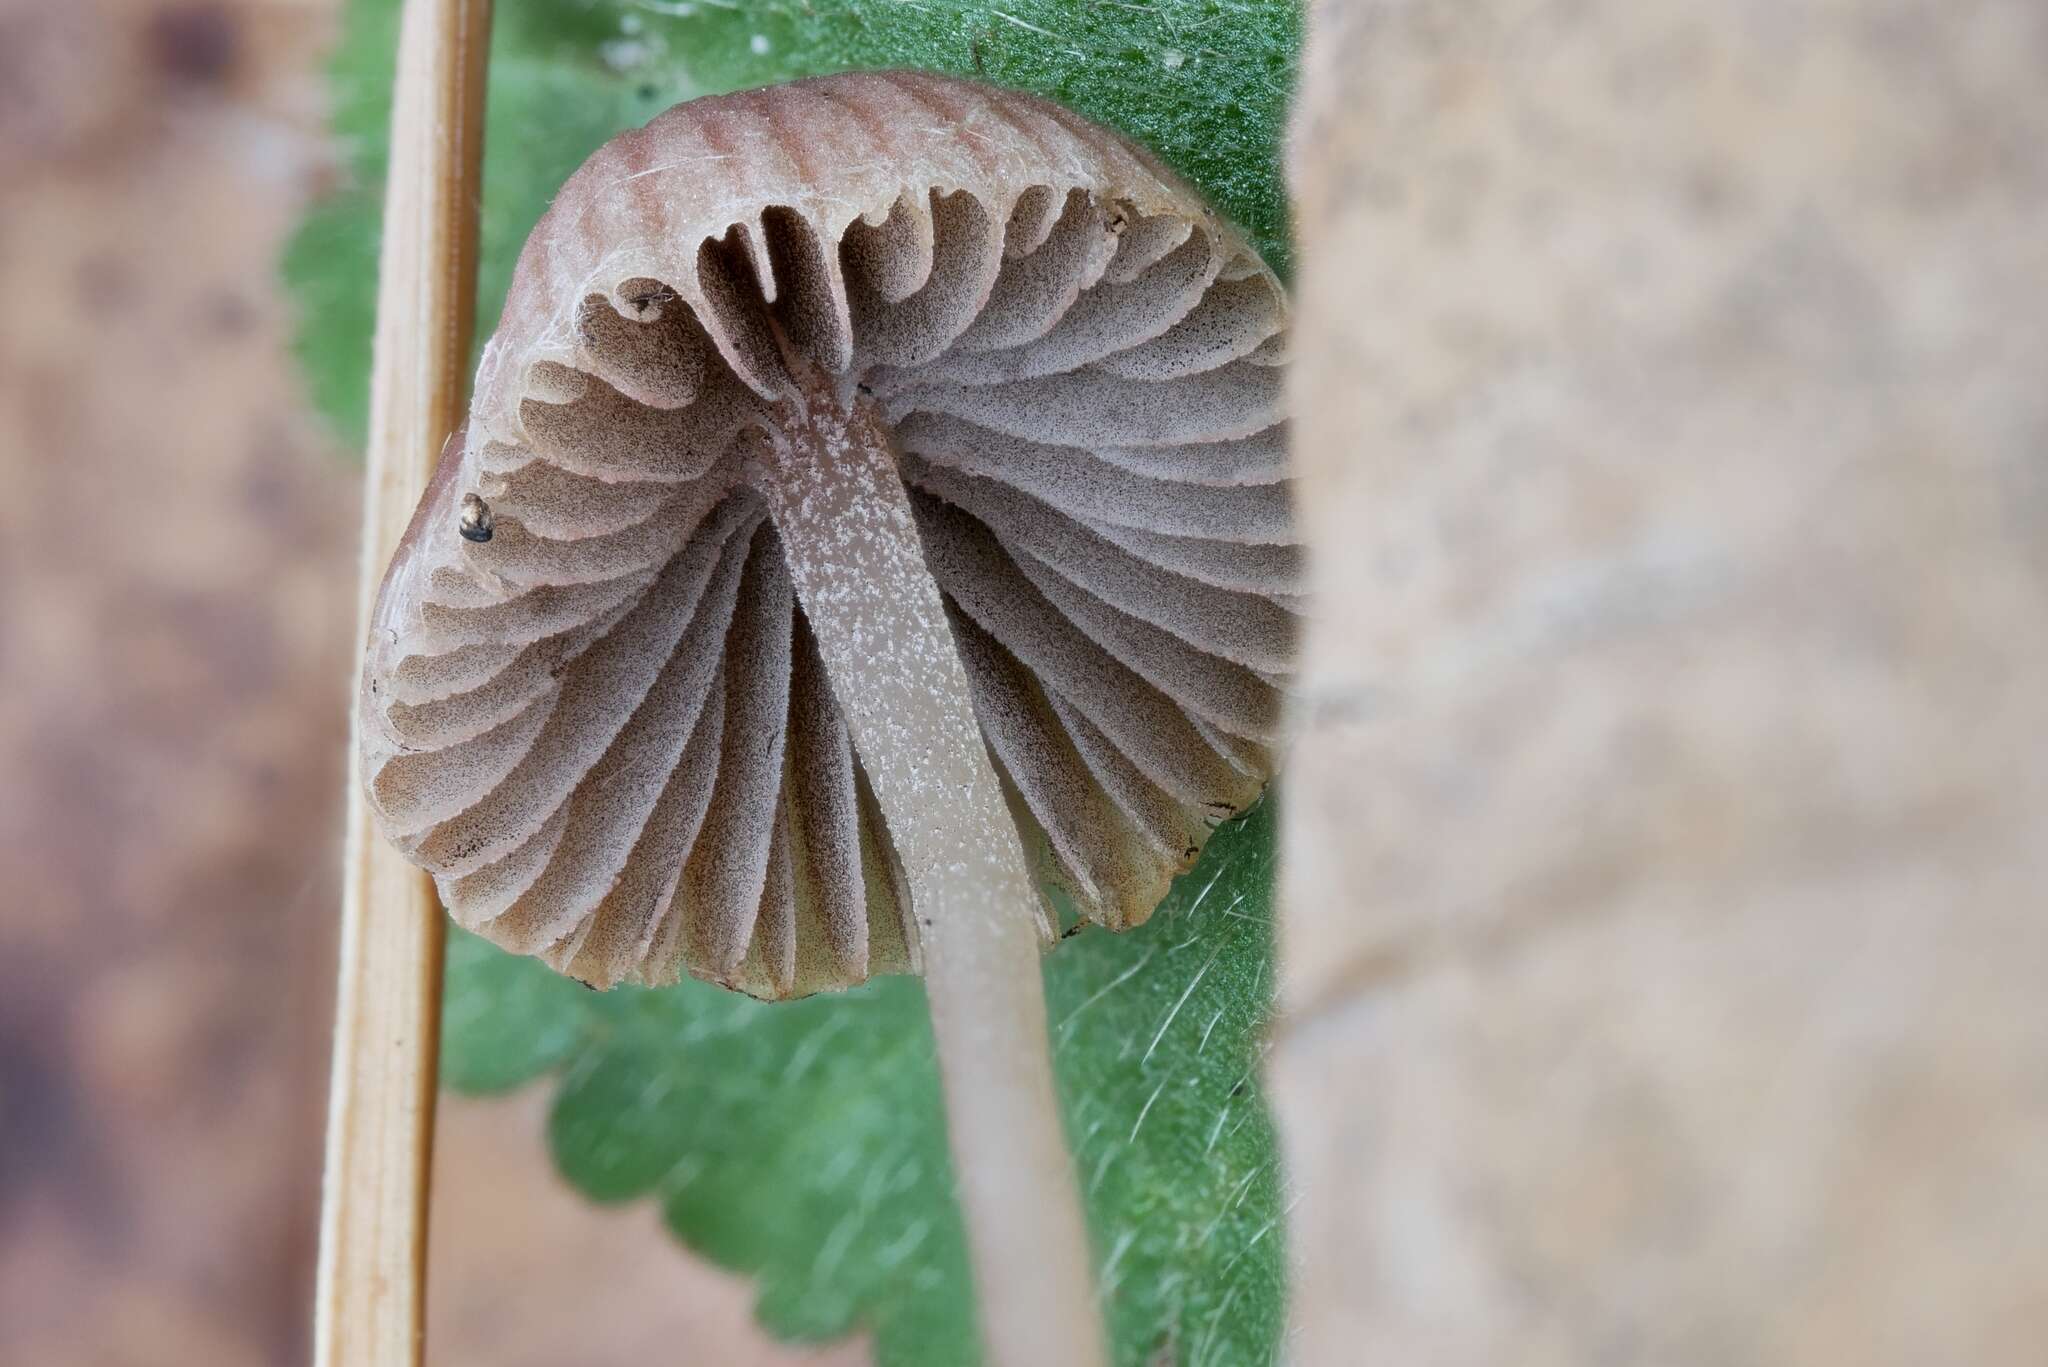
point(873, 499)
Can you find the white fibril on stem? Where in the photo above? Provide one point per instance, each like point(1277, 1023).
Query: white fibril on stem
point(830, 479)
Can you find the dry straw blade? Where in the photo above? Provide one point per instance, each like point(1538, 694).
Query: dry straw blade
point(370, 1296)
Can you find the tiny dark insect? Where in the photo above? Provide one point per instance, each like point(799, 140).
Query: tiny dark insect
point(475, 523)
point(643, 302)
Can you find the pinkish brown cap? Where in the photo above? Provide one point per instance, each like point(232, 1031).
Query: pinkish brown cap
point(612, 702)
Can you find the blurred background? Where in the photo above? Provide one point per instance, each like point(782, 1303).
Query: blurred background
point(177, 540)
point(1824, 1144)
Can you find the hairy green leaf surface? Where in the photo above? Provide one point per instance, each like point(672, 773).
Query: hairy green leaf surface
point(804, 1143)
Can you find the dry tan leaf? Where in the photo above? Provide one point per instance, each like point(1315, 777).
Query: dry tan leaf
point(1664, 872)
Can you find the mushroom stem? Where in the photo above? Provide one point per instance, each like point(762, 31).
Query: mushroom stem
point(853, 551)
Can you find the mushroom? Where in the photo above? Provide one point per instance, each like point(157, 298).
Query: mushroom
point(872, 509)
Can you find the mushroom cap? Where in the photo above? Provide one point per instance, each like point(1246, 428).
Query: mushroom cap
point(593, 706)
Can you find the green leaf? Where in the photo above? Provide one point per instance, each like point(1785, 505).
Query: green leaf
point(803, 1142)
point(1204, 83)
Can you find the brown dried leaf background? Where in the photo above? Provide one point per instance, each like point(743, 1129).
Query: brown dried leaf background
point(1665, 869)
